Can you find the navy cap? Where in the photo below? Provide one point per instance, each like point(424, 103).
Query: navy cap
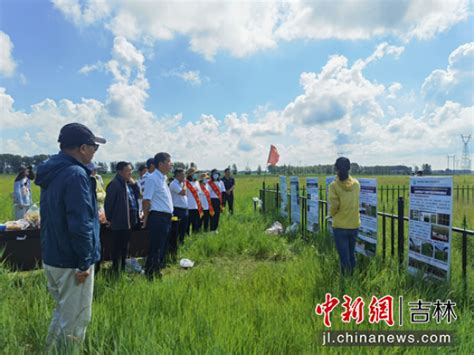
point(76, 134)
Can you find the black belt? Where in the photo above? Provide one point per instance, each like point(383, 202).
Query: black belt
point(164, 214)
point(181, 208)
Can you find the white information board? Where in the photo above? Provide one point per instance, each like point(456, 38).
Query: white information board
point(329, 180)
point(283, 197)
point(430, 223)
point(312, 206)
point(367, 238)
point(295, 201)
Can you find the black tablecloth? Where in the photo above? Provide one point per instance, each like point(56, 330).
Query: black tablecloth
point(21, 250)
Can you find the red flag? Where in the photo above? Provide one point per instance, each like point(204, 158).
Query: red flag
point(273, 156)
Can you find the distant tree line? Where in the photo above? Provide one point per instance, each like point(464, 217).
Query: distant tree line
point(10, 163)
point(356, 169)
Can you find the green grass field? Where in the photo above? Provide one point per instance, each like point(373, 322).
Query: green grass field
point(248, 293)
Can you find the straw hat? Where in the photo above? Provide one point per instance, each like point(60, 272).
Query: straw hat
point(204, 176)
point(190, 171)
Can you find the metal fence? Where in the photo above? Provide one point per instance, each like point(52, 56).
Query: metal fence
point(393, 225)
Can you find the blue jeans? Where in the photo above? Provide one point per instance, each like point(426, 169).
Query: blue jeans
point(159, 225)
point(345, 244)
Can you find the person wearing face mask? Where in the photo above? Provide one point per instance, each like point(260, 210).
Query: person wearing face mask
point(229, 183)
point(205, 196)
point(180, 205)
point(216, 189)
point(194, 202)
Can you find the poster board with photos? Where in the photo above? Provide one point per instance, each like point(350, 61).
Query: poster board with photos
point(430, 224)
point(283, 197)
point(312, 206)
point(329, 180)
point(366, 242)
point(294, 199)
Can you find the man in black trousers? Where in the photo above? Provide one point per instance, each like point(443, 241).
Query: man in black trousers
point(228, 196)
point(121, 210)
point(157, 213)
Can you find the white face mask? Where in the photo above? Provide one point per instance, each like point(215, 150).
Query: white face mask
point(215, 176)
point(205, 181)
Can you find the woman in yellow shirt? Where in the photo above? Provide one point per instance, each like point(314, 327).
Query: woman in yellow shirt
point(344, 194)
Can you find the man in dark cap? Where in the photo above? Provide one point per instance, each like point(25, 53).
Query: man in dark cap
point(70, 243)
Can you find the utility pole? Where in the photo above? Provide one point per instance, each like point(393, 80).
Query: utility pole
point(466, 156)
point(451, 156)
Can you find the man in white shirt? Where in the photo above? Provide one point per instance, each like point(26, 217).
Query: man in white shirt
point(195, 210)
point(180, 201)
point(157, 213)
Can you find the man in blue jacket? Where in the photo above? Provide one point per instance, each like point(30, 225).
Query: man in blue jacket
point(70, 243)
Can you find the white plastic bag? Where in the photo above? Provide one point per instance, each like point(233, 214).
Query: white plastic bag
point(186, 263)
point(33, 216)
point(276, 228)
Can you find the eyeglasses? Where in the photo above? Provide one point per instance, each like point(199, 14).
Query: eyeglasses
point(95, 146)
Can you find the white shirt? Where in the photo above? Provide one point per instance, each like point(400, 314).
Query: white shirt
point(202, 197)
point(141, 182)
point(192, 204)
point(158, 192)
point(220, 185)
point(180, 201)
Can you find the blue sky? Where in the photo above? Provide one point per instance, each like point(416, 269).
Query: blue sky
point(217, 83)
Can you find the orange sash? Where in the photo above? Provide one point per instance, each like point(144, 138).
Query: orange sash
point(208, 198)
point(217, 191)
point(193, 191)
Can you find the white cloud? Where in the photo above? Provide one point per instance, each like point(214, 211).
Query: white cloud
point(393, 90)
point(83, 15)
point(380, 51)
point(341, 110)
point(270, 123)
point(244, 28)
point(432, 135)
point(338, 91)
point(133, 132)
point(192, 77)
point(456, 80)
point(7, 63)
point(89, 68)
point(362, 19)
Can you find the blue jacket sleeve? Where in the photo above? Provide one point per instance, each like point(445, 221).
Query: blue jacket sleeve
point(80, 215)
